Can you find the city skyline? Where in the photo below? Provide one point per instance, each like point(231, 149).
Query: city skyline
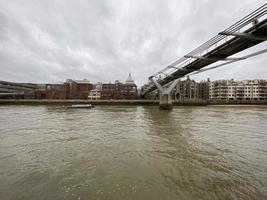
point(52, 46)
point(188, 89)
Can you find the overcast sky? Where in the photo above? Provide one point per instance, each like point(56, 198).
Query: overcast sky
point(104, 40)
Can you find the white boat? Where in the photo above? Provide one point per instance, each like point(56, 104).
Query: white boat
point(88, 106)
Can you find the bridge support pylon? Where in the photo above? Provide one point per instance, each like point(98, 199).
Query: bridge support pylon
point(165, 99)
point(165, 102)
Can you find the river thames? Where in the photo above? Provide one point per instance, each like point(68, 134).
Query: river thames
point(133, 152)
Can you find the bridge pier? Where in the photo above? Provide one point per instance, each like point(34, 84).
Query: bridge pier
point(165, 102)
point(165, 99)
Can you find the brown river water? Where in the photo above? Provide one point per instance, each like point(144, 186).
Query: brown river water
point(133, 152)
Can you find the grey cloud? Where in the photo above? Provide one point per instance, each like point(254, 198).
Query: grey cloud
point(52, 40)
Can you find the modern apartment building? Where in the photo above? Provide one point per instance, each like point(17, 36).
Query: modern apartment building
point(238, 90)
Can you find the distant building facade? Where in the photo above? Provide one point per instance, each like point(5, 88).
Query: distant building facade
point(189, 90)
point(11, 90)
point(203, 90)
point(255, 90)
point(71, 89)
point(186, 90)
point(78, 89)
point(56, 91)
point(219, 90)
point(94, 94)
point(120, 90)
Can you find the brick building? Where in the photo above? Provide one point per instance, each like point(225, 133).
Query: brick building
point(119, 90)
point(71, 89)
point(109, 91)
point(78, 89)
point(56, 91)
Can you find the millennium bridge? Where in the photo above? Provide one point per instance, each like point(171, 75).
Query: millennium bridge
point(249, 31)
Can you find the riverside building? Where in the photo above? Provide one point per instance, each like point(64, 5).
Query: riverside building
point(118, 90)
point(190, 90)
point(219, 90)
point(71, 89)
point(253, 90)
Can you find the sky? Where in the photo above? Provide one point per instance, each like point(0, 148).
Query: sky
point(104, 40)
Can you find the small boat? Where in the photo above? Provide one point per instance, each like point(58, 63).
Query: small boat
point(88, 106)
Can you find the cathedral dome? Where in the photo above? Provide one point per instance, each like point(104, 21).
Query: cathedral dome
point(129, 80)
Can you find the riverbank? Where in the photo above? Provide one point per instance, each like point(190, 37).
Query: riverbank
point(239, 105)
point(75, 101)
point(124, 102)
point(94, 102)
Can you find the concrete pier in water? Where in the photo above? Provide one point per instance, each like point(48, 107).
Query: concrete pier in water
point(165, 102)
